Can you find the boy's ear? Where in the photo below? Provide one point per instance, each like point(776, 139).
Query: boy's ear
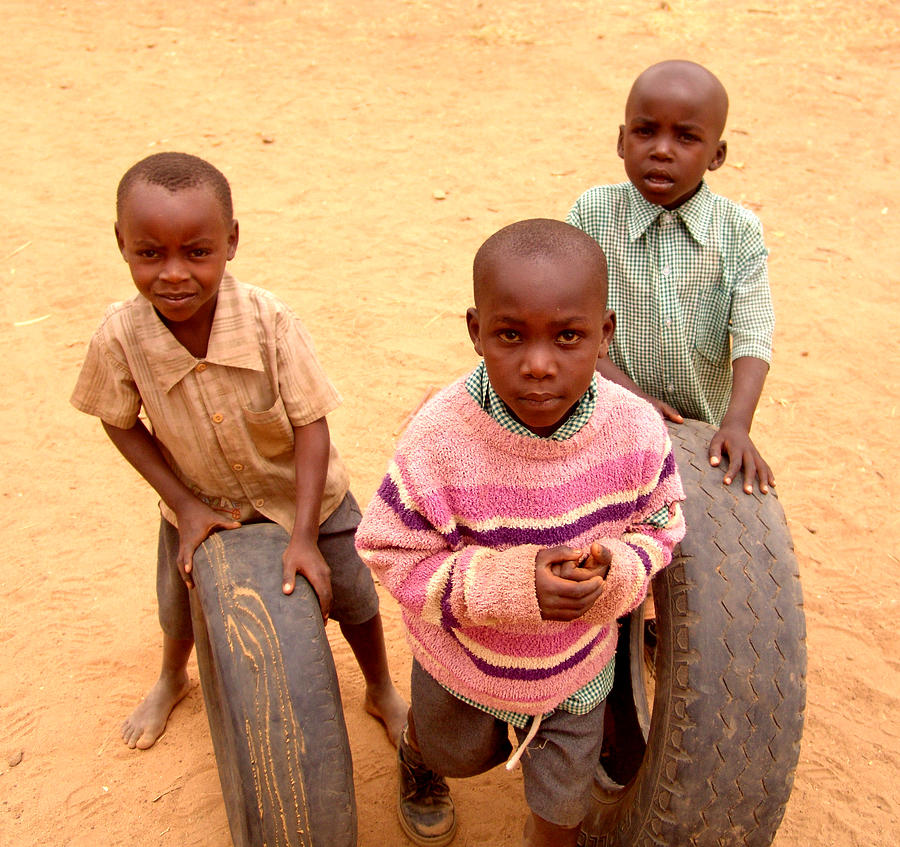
point(620, 144)
point(608, 330)
point(233, 238)
point(119, 240)
point(719, 157)
point(474, 329)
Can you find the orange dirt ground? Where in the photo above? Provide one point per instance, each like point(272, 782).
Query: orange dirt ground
point(371, 148)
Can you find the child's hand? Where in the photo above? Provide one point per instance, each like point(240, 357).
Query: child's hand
point(304, 557)
point(668, 412)
point(564, 590)
point(196, 521)
point(598, 560)
point(742, 453)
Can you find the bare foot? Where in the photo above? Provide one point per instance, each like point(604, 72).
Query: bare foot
point(388, 707)
point(143, 727)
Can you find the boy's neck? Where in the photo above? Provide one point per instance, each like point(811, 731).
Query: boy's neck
point(193, 334)
point(673, 206)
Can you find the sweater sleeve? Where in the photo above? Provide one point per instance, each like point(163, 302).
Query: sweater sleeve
point(421, 560)
point(645, 547)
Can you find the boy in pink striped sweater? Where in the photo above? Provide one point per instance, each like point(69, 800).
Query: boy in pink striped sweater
point(526, 509)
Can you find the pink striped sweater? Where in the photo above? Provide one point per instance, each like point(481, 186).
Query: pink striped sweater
point(454, 528)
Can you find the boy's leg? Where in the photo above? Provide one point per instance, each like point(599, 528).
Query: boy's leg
point(558, 772)
point(454, 738)
point(541, 833)
point(383, 701)
point(355, 607)
point(425, 807)
point(147, 722)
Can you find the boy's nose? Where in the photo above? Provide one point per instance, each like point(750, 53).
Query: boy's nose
point(174, 270)
point(538, 363)
point(662, 149)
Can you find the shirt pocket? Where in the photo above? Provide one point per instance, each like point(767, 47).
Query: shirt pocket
point(270, 430)
point(714, 314)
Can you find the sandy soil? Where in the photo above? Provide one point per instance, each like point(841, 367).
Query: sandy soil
point(371, 148)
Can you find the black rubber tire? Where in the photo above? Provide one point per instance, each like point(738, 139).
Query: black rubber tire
point(272, 696)
point(714, 763)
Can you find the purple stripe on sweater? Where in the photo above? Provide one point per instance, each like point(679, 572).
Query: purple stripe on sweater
point(550, 536)
point(668, 467)
point(643, 556)
point(516, 498)
point(511, 536)
point(448, 619)
point(532, 674)
point(389, 493)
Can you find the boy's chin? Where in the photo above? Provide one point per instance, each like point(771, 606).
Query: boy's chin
point(543, 425)
point(667, 197)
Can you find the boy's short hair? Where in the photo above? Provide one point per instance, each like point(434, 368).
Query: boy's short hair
point(537, 238)
point(175, 172)
point(699, 76)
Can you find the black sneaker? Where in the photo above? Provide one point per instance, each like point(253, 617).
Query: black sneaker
point(425, 805)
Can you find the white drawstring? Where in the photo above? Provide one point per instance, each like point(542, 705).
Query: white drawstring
point(517, 754)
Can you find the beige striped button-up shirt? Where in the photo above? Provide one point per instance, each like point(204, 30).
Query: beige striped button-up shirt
point(224, 422)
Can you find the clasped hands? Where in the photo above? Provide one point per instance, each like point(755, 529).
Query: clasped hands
point(568, 581)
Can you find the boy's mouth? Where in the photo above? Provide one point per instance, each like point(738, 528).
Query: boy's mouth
point(659, 178)
point(175, 297)
point(539, 400)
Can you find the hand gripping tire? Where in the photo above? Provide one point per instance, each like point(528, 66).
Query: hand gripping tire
point(713, 762)
point(271, 695)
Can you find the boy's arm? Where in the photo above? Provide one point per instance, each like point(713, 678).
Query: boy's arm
point(419, 559)
point(412, 544)
point(752, 325)
point(733, 437)
point(608, 370)
point(634, 559)
point(645, 546)
point(195, 519)
point(312, 445)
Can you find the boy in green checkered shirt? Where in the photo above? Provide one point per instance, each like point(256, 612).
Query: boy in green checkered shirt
point(687, 268)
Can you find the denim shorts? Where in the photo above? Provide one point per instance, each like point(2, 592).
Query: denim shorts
point(459, 740)
point(355, 600)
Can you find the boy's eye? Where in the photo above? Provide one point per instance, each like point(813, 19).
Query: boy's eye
point(199, 252)
point(643, 131)
point(509, 335)
point(569, 336)
point(690, 137)
point(147, 253)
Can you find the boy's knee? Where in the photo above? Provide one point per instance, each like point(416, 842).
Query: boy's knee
point(461, 754)
point(456, 739)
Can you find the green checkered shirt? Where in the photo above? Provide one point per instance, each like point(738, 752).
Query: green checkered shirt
point(690, 290)
point(482, 392)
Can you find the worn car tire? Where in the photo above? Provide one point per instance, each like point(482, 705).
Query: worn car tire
point(714, 762)
point(271, 695)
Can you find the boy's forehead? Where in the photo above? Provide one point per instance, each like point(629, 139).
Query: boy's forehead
point(513, 281)
point(144, 196)
point(683, 82)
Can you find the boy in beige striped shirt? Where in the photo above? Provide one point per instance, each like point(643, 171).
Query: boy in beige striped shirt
point(236, 400)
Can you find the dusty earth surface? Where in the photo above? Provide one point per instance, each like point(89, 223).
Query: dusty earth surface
point(371, 148)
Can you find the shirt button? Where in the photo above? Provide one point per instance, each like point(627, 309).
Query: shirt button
point(666, 270)
point(259, 503)
point(237, 466)
point(665, 218)
point(217, 418)
point(670, 388)
point(668, 322)
point(201, 367)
